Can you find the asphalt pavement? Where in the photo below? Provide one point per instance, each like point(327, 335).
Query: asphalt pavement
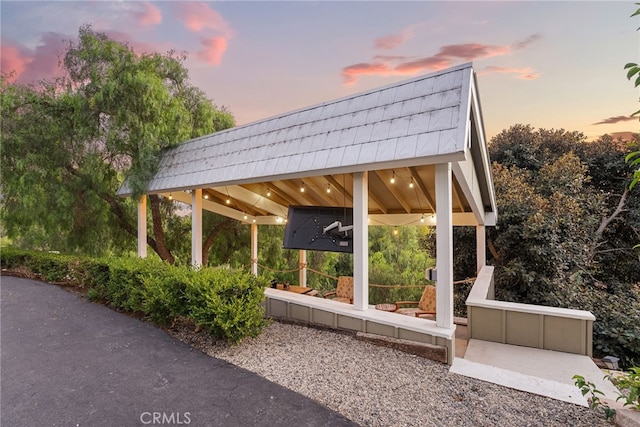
point(65, 361)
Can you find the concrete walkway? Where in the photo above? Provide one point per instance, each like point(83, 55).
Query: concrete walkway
point(67, 362)
point(544, 372)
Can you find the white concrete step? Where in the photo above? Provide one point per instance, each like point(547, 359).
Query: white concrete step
point(544, 372)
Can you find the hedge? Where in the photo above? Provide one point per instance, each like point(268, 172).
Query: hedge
point(223, 302)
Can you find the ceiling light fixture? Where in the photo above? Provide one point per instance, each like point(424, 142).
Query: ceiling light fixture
point(411, 183)
point(328, 188)
point(302, 187)
point(393, 178)
point(268, 192)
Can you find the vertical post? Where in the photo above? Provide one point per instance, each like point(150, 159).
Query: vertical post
point(360, 241)
point(254, 249)
point(142, 226)
point(302, 262)
point(481, 247)
point(196, 227)
point(444, 246)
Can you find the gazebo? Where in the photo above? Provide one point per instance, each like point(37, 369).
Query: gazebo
point(412, 152)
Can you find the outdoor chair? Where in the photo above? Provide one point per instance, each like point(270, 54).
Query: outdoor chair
point(343, 292)
point(426, 307)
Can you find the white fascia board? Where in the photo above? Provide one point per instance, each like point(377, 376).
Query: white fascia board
point(486, 163)
point(467, 178)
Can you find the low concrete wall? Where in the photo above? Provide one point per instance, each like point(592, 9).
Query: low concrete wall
point(559, 329)
point(332, 314)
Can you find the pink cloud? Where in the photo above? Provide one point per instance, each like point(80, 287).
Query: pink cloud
point(214, 48)
point(14, 59)
point(33, 65)
point(197, 16)
point(350, 74)
point(523, 73)
point(443, 59)
point(616, 119)
point(471, 51)
point(392, 41)
point(149, 15)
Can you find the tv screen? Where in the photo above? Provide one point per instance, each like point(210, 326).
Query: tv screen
point(318, 228)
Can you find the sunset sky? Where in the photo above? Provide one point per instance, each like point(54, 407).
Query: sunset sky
point(549, 64)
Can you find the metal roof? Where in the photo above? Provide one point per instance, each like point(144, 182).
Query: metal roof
point(397, 130)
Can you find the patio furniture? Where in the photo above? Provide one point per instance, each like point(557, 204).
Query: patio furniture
point(344, 290)
point(426, 307)
point(303, 290)
point(386, 307)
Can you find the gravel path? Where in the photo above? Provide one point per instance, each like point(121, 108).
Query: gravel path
point(377, 386)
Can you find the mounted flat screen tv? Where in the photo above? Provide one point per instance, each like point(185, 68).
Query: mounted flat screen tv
point(318, 228)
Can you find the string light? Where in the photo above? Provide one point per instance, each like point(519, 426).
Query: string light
point(206, 196)
point(395, 231)
point(170, 196)
point(254, 219)
point(328, 188)
point(393, 178)
point(422, 218)
point(228, 201)
point(245, 216)
point(268, 192)
point(411, 183)
point(302, 187)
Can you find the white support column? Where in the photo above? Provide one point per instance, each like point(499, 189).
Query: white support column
point(444, 247)
point(302, 262)
point(196, 227)
point(481, 247)
point(142, 226)
point(254, 249)
point(360, 241)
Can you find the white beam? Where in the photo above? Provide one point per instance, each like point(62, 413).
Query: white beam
point(481, 247)
point(254, 249)
point(196, 227)
point(142, 227)
point(360, 241)
point(302, 262)
point(468, 180)
point(444, 247)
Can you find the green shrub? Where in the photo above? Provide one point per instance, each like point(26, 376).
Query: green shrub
point(629, 385)
point(164, 294)
point(226, 303)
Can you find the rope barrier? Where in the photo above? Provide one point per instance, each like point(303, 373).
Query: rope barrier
point(458, 282)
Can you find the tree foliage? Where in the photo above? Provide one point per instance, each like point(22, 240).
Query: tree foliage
point(68, 144)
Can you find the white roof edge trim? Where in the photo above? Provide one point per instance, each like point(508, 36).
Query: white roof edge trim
point(416, 161)
point(486, 164)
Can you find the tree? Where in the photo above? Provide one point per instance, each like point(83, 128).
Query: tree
point(68, 144)
point(633, 70)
